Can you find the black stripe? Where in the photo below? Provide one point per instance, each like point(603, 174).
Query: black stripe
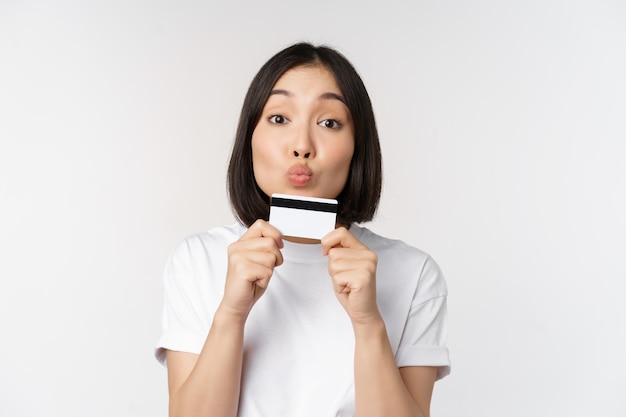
point(304, 205)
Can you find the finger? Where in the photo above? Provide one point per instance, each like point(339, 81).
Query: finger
point(360, 254)
point(261, 228)
point(259, 244)
point(262, 282)
point(240, 260)
point(347, 283)
point(340, 237)
point(347, 259)
point(354, 280)
point(259, 274)
point(340, 287)
point(337, 266)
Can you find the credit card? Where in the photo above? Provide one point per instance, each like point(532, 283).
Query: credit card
point(307, 217)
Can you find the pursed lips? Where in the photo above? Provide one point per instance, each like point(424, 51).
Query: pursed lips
point(299, 175)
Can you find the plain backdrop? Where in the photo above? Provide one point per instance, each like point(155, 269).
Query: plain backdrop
point(503, 129)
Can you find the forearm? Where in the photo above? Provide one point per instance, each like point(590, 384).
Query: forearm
point(212, 389)
point(379, 388)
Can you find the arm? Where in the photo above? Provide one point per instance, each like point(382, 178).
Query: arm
point(381, 389)
point(208, 384)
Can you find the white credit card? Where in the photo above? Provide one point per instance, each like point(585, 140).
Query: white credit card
point(307, 217)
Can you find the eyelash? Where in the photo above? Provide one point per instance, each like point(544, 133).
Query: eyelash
point(273, 118)
point(335, 124)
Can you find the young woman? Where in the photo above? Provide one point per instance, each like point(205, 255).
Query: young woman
point(256, 324)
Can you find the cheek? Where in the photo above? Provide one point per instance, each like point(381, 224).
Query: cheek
point(263, 160)
point(257, 146)
point(341, 167)
point(263, 155)
point(344, 158)
point(257, 155)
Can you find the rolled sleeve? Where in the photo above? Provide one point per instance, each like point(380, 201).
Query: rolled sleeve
point(424, 339)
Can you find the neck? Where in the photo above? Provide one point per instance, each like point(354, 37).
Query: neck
point(308, 241)
point(304, 240)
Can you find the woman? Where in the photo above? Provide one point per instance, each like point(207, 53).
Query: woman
point(260, 325)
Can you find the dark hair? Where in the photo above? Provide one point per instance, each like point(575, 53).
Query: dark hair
point(359, 198)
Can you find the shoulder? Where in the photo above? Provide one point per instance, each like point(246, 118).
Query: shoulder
point(201, 247)
point(215, 238)
point(387, 247)
point(404, 262)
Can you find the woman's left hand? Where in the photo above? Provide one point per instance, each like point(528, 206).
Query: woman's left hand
point(352, 266)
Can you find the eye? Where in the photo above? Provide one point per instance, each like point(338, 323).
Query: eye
point(330, 123)
point(277, 119)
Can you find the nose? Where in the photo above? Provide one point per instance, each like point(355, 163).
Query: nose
point(303, 144)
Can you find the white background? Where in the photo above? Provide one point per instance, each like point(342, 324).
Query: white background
point(503, 127)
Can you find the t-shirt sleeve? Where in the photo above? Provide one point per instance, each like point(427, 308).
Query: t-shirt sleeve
point(185, 319)
point(424, 338)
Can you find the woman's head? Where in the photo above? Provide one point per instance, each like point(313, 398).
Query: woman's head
point(358, 199)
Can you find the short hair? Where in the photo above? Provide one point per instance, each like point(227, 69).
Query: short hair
point(359, 198)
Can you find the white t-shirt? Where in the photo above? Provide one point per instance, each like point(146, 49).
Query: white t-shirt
point(298, 341)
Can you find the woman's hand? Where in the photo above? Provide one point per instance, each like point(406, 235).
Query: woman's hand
point(251, 262)
point(352, 266)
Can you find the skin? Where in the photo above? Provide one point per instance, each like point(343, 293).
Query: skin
point(304, 123)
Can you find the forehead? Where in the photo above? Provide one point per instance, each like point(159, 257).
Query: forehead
point(308, 78)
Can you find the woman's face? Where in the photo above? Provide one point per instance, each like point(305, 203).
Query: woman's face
point(304, 140)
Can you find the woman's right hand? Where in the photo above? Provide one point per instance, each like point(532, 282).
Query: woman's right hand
point(251, 262)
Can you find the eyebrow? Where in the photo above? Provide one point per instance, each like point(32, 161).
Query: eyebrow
point(324, 96)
